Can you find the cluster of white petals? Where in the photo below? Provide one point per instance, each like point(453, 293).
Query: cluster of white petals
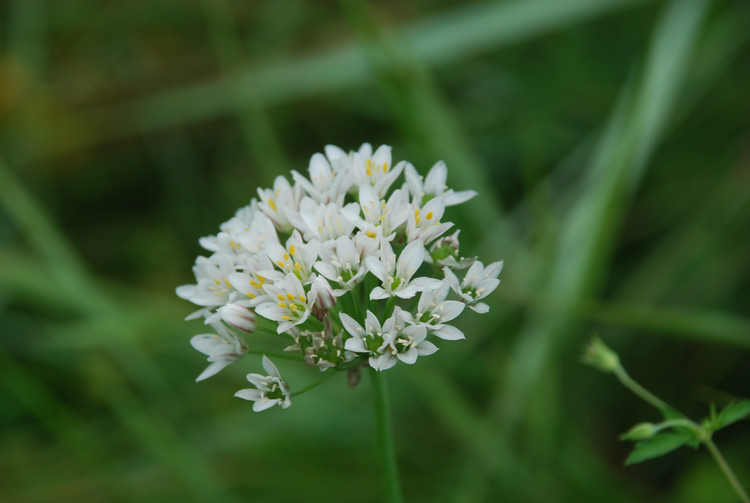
point(356, 269)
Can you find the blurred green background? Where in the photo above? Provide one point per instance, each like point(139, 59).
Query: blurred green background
point(609, 143)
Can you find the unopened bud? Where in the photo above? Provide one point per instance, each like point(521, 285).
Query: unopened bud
point(598, 355)
point(640, 431)
point(239, 317)
point(322, 293)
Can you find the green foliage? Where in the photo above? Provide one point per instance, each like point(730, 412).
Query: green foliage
point(733, 412)
point(607, 141)
point(657, 445)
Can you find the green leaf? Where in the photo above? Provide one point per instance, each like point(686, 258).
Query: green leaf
point(656, 446)
point(735, 411)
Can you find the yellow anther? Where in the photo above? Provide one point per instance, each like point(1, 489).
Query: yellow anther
point(381, 218)
point(385, 167)
point(252, 296)
point(416, 215)
point(298, 266)
point(368, 170)
point(370, 234)
point(217, 281)
point(254, 283)
point(302, 298)
point(277, 192)
point(428, 216)
point(286, 318)
point(286, 256)
point(280, 263)
point(262, 279)
point(272, 204)
point(280, 296)
point(226, 282)
point(291, 250)
point(293, 307)
point(290, 296)
point(281, 304)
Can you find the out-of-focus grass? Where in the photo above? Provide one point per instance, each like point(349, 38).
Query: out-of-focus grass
point(607, 140)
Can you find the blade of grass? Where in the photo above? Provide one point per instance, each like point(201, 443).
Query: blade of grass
point(254, 123)
point(324, 72)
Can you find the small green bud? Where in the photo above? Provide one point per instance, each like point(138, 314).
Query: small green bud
point(639, 432)
point(598, 355)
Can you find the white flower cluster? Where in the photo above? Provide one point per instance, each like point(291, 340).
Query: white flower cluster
point(355, 271)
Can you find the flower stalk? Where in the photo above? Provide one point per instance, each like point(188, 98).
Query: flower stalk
point(387, 451)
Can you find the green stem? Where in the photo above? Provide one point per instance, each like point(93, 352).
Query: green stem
point(639, 390)
point(385, 437)
point(320, 381)
point(727, 470)
point(652, 399)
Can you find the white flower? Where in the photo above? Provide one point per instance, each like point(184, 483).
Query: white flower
point(250, 281)
point(373, 339)
point(424, 223)
point(213, 287)
point(478, 283)
point(300, 256)
point(297, 258)
point(434, 186)
point(375, 169)
point(326, 221)
point(433, 311)
point(289, 306)
point(396, 275)
point(227, 241)
point(222, 348)
point(340, 262)
point(409, 342)
point(325, 185)
point(280, 204)
point(269, 389)
point(377, 212)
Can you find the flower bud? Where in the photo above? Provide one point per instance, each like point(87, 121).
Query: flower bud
point(322, 293)
point(639, 432)
point(444, 248)
point(239, 317)
point(598, 355)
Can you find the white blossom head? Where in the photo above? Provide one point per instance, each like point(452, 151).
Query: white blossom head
point(351, 260)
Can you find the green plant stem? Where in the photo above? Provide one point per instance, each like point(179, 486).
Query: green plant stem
point(317, 383)
point(385, 437)
point(639, 390)
point(652, 399)
point(727, 470)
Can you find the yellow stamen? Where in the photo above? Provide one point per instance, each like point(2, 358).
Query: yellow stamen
point(290, 296)
point(298, 266)
point(281, 264)
point(281, 304)
point(217, 281)
point(428, 215)
point(252, 296)
point(416, 215)
point(286, 256)
point(385, 167)
point(280, 296)
point(286, 318)
point(272, 204)
point(291, 250)
point(293, 307)
point(302, 298)
point(370, 234)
